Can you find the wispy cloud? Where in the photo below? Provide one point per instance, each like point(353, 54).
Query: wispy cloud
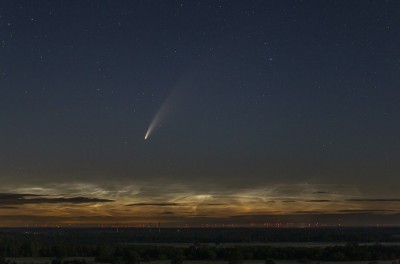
point(364, 211)
point(22, 199)
point(318, 201)
point(157, 204)
point(373, 200)
point(8, 207)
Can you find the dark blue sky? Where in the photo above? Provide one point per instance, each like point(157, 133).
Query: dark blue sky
point(260, 93)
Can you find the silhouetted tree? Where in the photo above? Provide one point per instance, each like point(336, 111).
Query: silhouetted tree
point(269, 261)
point(177, 258)
point(56, 261)
point(236, 256)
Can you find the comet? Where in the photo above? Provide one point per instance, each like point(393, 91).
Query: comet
point(174, 101)
point(158, 117)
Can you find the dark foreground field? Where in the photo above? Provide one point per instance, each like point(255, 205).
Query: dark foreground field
point(92, 261)
point(199, 246)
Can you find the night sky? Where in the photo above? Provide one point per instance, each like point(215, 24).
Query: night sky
point(259, 111)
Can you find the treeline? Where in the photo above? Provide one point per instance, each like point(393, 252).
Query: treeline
point(207, 235)
point(108, 253)
point(350, 252)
